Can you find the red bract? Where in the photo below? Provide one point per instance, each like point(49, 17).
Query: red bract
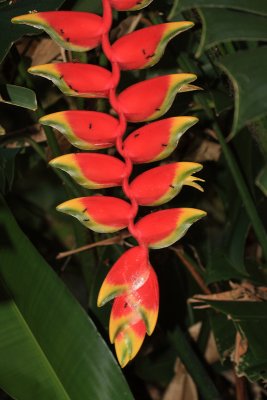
point(149, 100)
point(156, 141)
point(161, 184)
point(133, 314)
point(163, 228)
point(129, 5)
point(144, 48)
point(100, 213)
point(74, 79)
point(128, 274)
point(77, 31)
point(87, 130)
point(131, 283)
point(93, 171)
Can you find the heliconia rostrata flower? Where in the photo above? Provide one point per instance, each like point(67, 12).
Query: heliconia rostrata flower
point(131, 282)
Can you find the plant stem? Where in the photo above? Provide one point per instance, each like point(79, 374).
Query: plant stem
point(193, 365)
point(192, 270)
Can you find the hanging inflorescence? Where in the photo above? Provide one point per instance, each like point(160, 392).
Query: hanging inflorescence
point(131, 282)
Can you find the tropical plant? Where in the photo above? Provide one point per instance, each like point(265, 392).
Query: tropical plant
point(50, 348)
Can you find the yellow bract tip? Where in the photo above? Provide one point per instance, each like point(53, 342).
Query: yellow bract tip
point(30, 18)
point(45, 69)
point(73, 204)
point(67, 160)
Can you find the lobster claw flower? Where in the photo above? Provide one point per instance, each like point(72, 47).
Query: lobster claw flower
point(142, 303)
point(144, 47)
point(131, 317)
point(102, 214)
point(87, 130)
point(93, 171)
point(163, 228)
point(150, 99)
point(77, 31)
point(129, 5)
point(129, 273)
point(156, 141)
point(77, 79)
point(161, 184)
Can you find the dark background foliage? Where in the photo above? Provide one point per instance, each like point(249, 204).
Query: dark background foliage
point(52, 342)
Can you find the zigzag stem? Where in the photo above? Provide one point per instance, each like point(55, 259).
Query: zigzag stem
point(116, 73)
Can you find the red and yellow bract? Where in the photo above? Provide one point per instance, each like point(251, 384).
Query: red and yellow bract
point(131, 282)
point(87, 130)
point(144, 48)
point(77, 31)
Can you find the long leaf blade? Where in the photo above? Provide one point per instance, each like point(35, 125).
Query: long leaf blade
point(59, 353)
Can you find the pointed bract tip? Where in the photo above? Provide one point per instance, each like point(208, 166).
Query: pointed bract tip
point(64, 159)
point(192, 214)
point(73, 204)
point(49, 69)
point(26, 18)
point(107, 292)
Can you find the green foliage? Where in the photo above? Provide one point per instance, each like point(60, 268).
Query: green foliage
point(46, 337)
point(18, 96)
point(248, 79)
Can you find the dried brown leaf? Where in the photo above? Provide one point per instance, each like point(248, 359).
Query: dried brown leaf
point(207, 151)
point(128, 25)
point(182, 386)
point(35, 132)
point(211, 354)
point(240, 292)
point(241, 347)
point(45, 52)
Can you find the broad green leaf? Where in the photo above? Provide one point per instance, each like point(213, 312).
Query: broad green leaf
point(250, 318)
point(262, 180)
point(18, 96)
point(228, 25)
point(9, 32)
point(247, 72)
point(49, 348)
point(256, 6)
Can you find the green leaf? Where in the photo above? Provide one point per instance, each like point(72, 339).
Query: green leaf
point(7, 168)
point(256, 6)
point(220, 268)
point(250, 318)
point(224, 332)
point(9, 32)
point(93, 6)
point(49, 348)
point(247, 72)
point(158, 368)
point(228, 25)
point(261, 181)
point(18, 96)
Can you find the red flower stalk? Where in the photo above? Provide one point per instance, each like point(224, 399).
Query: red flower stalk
point(131, 282)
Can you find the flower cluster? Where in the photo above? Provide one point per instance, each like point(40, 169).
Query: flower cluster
point(131, 282)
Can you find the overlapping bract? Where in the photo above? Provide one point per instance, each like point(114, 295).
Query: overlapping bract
point(131, 282)
point(78, 31)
